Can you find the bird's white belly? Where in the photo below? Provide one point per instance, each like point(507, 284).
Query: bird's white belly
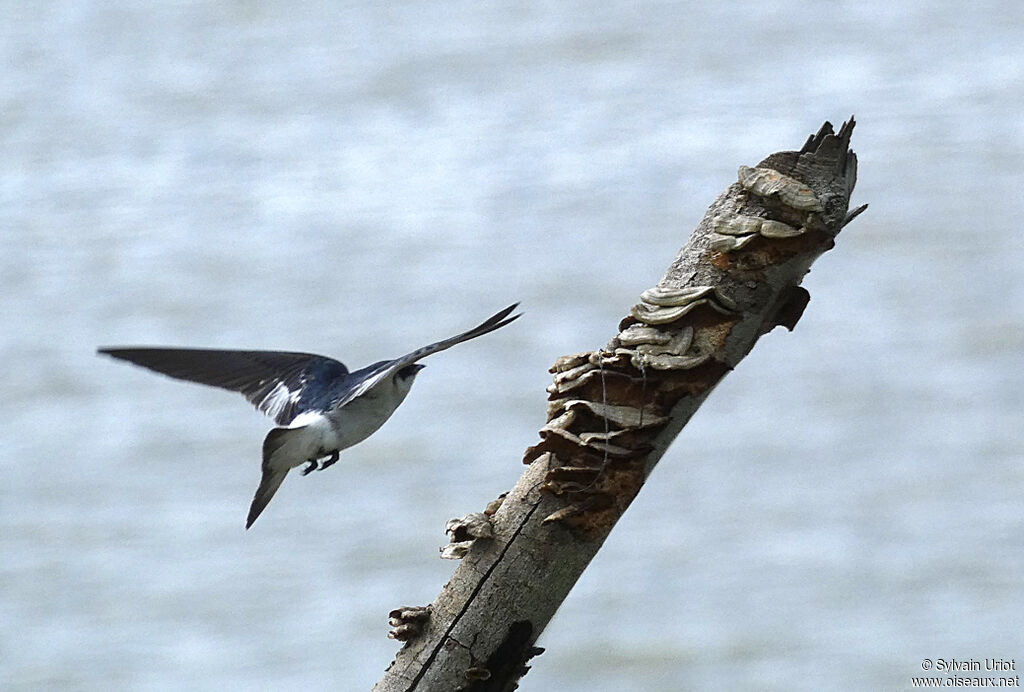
point(323, 433)
point(358, 420)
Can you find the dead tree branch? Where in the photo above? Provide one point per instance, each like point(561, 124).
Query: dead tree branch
point(612, 413)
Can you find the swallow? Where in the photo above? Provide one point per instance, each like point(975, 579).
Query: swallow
point(320, 408)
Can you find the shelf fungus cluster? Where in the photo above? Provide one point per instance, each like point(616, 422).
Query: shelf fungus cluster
point(731, 232)
point(463, 532)
point(605, 407)
point(767, 183)
point(407, 622)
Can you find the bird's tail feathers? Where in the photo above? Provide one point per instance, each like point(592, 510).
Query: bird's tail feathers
point(269, 484)
point(275, 467)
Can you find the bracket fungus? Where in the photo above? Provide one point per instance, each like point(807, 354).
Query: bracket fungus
point(463, 532)
point(407, 622)
point(661, 304)
point(607, 406)
point(495, 504)
point(767, 182)
point(730, 233)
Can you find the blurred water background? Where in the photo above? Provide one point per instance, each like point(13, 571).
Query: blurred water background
point(360, 178)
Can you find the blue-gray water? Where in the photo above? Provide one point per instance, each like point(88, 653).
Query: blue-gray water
point(360, 178)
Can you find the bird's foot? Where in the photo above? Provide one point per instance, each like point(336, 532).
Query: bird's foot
point(330, 461)
point(311, 468)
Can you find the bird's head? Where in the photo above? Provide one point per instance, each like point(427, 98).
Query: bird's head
point(408, 373)
point(405, 377)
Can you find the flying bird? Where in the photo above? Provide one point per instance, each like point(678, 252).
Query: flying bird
point(319, 406)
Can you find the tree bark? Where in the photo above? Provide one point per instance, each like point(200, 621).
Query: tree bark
point(612, 413)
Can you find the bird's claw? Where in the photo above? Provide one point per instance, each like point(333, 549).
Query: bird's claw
point(315, 465)
point(330, 461)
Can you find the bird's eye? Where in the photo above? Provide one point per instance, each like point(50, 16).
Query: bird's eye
point(409, 370)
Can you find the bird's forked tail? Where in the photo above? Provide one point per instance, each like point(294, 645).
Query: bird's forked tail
point(275, 468)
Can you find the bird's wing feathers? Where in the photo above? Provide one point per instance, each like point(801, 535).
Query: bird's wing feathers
point(284, 384)
point(367, 378)
point(273, 381)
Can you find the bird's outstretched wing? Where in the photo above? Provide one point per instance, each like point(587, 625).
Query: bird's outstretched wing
point(275, 382)
point(367, 378)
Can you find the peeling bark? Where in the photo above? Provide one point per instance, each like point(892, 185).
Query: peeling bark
point(613, 412)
